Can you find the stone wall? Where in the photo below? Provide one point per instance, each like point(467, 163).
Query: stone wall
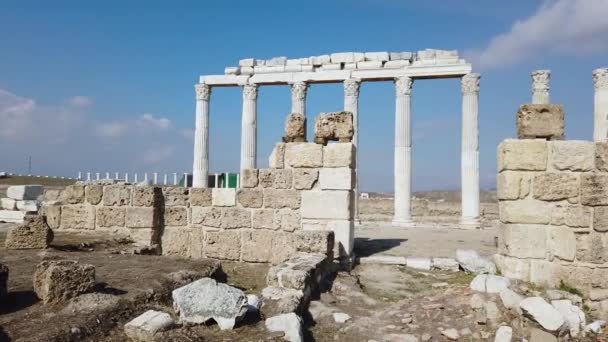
point(297, 206)
point(553, 210)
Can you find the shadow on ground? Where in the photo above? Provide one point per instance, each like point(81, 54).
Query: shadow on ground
point(365, 247)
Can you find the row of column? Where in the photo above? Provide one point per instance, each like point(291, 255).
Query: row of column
point(403, 140)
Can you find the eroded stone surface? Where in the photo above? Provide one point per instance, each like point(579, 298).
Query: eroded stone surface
point(540, 121)
point(336, 126)
point(33, 233)
point(305, 179)
point(295, 128)
point(303, 155)
point(143, 327)
point(524, 155)
point(59, 280)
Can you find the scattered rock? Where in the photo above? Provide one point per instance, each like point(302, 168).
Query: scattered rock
point(145, 326)
point(595, 327)
point(426, 337)
point(451, 334)
point(477, 301)
point(253, 303)
point(446, 264)
point(542, 312)
point(503, 334)
point(574, 316)
point(60, 280)
point(33, 233)
point(489, 283)
point(418, 263)
point(3, 281)
point(559, 294)
point(341, 317)
point(470, 261)
point(280, 300)
point(288, 323)
point(207, 299)
point(511, 300)
point(537, 335)
point(492, 312)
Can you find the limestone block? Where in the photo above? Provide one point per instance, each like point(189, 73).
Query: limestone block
point(110, 217)
point(377, 56)
point(93, 194)
point(247, 62)
point(52, 214)
point(145, 326)
point(600, 219)
point(223, 245)
point(331, 66)
point(561, 242)
point(176, 196)
point(24, 192)
point(319, 60)
point(571, 216)
point(33, 233)
point(176, 216)
point(369, 65)
point(277, 157)
point(235, 218)
point(315, 242)
point(148, 237)
point(200, 197)
point(276, 178)
point(594, 189)
point(525, 155)
point(512, 185)
point(296, 273)
point(146, 196)
point(446, 264)
point(395, 56)
point(544, 273)
point(342, 178)
point(592, 247)
point(398, 64)
point(257, 245)
point(12, 216)
point(51, 195)
point(523, 240)
point(601, 156)
point(8, 204)
point(277, 61)
point(269, 69)
point(326, 205)
point(344, 236)
point(283, 247)
point(298, 61)
point(59, 280)
point(295, 128)
point(513, 267)
point(526, 211)
point(545, 121)
point(303, 155)
point(305, 179)
point(280, 198)
point(339, 155)
point(334, 126)
point(246, 70)
point(232, 70)
point(27, 205)
point(250, 198)
point(249, 178)
point(287, 220)
point(73, 194)
point(350, 66)
point(347, 57)
point(288, 324)
point(223, 197)
point(77, 217)
point(543, 313)
point(206, 216)
point(572, 155)
point(141, 217)
point(263, 219)
point(553, 186)
point(569, 273)
point(184, 242)
point(116, 195)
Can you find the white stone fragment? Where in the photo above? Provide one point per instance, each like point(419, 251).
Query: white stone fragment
point(269, 69)
point(339, 178)
point(308, 68)
point(27, 205)
point(223, 197)
point(470, 261)
point(426, 54)
point(383, 260)
point(574, 316)
point(595, 327)
point(511, 300)
point(359, 56)
point(377, 56)
point(418, 263)
point(232, 70)
point(12, 216)
point(293, 68)
point(298, 61)
point(396, 64)
point(395, 56)
point(350, 66)
point(446, 264)
point(369, 65)
point(503, 334)
point(8, 204)
point(331, 66)
point(341, 317)
point(326, 205)
point(247, 62)
point(288, 323)
point(319, 60)
point(343, 57)
point(451, 334)
point(253, 303)
point(246, 70)
point(489, 283)
point(542, 312)
point(277, 61)
point(24, 192)
point(145, 326)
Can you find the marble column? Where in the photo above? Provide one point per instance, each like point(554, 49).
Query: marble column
point(403, 152)
point(200, 168)
point(600, 102)
point(298, 97)
point(351, 104)
point(249, 127)
point(540, 86)
point(470, 151)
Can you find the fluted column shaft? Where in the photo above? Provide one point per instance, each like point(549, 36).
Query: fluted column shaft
point(540, 86)
point(298, 97)
point(200, 169)
point(351, 104)
point(249, 131)
point(600, 103)
point(403, 152)
point(470, 151)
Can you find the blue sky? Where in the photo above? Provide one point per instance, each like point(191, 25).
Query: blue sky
point(108, 86)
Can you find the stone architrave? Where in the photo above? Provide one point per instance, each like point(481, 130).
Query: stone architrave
point(600, 116)
point(200, 170)
point(403, 152)
point(295, 128)
point(249, 127)
point(336, 126)
point(540, 86)
point(470, 151)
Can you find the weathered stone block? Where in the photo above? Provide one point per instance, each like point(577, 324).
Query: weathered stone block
point(249, 178)
point(315, 242)
point(257, 245)
point(572, 155)
point(59, 280)
point(235, 218)
point(344, 236)
point(303, 155)
point(93, 194)
point(8, 204)
point(337, 126)
point(200, 197)
point(27, 205)
point(571, 215)
point(544, 273)
point(206, 216)
point(223, 245)
point(305, 179)
point(116, 195)
point(295, 128)
point(523, 241)
point(339, 155)
point(276, 178)
point(12, 216)
point(141, 217)
point(145, 236)
point(297, 273)
point(145, 326)
point(512, 185)
point(287, 220)
point(601, 156)
point(77, 217)
point(176, 196)
point(326, 204)
point(279, 198)
point(524, 155)
point(146, 196)
point(73, 194)
point(24, 192)
point(592, 247)
point(51, 195)
point(250, 198)
point(561, 242)
point(526, 211)
point(514, 268)
point(544, 121)
point(341, 178)
point(263, 219)
point(110, 217)
point(52, 214)
point(283, 247)
point(223, 197)
point(600, 219)
point(594, 189)
point(277, 157)
point(33, 233)
point(182, 242)
point(176, 216)
point(554, 186)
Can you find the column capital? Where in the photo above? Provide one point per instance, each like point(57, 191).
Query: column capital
point(600, 78)
point(250, 92)
point(540, 80)
point(298, 90)
point(203, 91)
point(470, 83)
point(403, 85)
point(351, 87)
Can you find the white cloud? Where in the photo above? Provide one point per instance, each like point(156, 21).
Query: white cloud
point(157, 154)
point(160, 123)
point(111, 129)
point(559, 27)
point(80, 101)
